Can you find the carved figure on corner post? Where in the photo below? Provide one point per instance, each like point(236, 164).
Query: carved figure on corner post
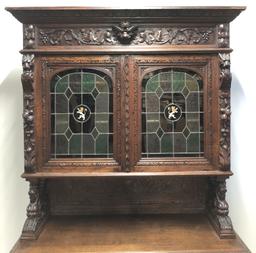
point(219, 209)
point(36, 210)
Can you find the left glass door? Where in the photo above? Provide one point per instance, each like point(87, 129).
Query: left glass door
point(81, 114)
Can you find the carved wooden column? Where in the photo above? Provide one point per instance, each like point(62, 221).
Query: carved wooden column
point(36, 210)
point(218, 205)
point(225, 112)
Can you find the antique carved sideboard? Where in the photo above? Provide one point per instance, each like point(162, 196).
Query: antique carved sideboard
point(127, 111)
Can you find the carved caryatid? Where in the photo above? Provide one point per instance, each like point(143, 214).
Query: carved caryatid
point(220, 209)
point(27, 79)
point(125, 33)
point(36, 210)
point(225, 112)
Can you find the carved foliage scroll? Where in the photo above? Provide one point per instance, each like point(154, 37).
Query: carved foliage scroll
point(126, 34)
point(27, 79)
point(225, 111)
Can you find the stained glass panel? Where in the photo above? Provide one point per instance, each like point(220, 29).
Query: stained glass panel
point(81, 114)
point(172, 114)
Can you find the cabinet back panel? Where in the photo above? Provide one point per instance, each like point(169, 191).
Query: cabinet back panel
point(127, 195)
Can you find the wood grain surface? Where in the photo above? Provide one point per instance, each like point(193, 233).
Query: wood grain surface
point(173, 234)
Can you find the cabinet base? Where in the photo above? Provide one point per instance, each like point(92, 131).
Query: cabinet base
point(147, 233)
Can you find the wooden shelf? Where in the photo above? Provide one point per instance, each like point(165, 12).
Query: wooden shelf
point(79, 174)
point(150, 233)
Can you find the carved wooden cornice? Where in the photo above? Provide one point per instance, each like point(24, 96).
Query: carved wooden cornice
point(202, 27)
point(76, 15)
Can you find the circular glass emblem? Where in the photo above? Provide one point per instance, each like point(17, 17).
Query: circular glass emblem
point(81, 113)
point(172, 112)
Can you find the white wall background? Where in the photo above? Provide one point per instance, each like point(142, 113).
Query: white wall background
point(241, 187)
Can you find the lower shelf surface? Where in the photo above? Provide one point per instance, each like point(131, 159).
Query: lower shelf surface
point(147, 233)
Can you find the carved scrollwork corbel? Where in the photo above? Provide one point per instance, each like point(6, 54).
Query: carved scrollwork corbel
point(27, 79)
point(225, 112)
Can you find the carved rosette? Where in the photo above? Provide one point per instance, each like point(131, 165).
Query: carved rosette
point(29, 36)
point(125, 33)
point(225, 112)
point(36, 210)
point(27, 79)
point(223, 35)
point(220, 209)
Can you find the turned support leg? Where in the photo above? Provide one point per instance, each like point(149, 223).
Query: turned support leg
point(36, 210)
point(218, 212)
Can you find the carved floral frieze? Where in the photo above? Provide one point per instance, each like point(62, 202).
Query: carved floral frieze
point(126, 33)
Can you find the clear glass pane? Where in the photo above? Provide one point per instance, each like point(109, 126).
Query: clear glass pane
point(172, 114)
point(81, 114)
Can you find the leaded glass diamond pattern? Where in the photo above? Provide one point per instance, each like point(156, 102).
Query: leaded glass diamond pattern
point(95, 133)
point(165, 138)
point(186, 132)
point(160, 132)
point(159, 92)
point(68, 133)
point(68, 93)
point(95, 92)
point(74, 94)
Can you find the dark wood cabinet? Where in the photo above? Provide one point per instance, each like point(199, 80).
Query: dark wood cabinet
point(126, 112)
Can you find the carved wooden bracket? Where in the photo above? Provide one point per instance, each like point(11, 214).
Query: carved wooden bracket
point(225, 112)
point(219, 208)
point(36, 210)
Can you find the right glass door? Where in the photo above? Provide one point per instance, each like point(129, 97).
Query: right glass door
point(172, 114)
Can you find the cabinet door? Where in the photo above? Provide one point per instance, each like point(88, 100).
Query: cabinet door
point(174, 113)
point(81, 98)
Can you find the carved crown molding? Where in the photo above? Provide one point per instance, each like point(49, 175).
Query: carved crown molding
point(126, 33)
point(225, 112)
point(27, 79)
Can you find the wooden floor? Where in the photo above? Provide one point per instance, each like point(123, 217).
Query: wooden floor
point(165, 233)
